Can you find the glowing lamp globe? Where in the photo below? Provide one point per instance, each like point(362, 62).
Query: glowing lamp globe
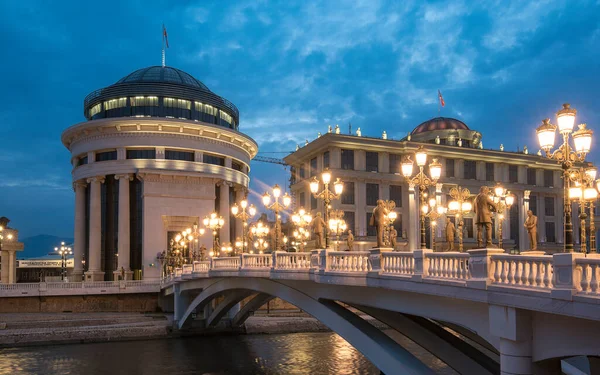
point(591, 173)
point(546, 134)
point(244, 203)
point(575, 193)
point(566, 118)
point(235, 209)
point(276, 191)
point(326, 177)
point(467, 206)
point(590, 193)
point(252, 210)
point(421, 157)
point(510, 200)
point(338, 187)
point(314, 185)
point(435, 170)
point(407, 168)
point(453, 206)
point(499, 190)
point(287, 200)
point(583, 139)
point(266, 198)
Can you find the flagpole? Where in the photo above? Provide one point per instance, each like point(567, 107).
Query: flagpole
point(163, 46)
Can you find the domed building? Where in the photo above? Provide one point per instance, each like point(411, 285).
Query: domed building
point(157, 153)
point(445, 131)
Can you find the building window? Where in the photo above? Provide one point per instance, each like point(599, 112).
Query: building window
point(372, 194)
point(177, 103)
point(372, 162)
point(107, 155)
point(302, 199)
point(470, 172)
point(449, 167)
point(237, 166)
point(326, 159)
point(350, 221)
point(395, 162)
point(313, 167)
point(533, 203)
point(115, 103)
point(549, 206)
point(531, 178)
point(226, 117)
point(82, 161)
point(313, 203)
point(95, 109)
point(348, 193)
point(209, 109)
point(468, 225)
point(179, 155)
point(489, 172)
point(348, 159)
point(371, 230)
point(396, 194)
point(141, 154)
point(551, 233)
point(212, 159)
point(548, 178)
point(144, 101)
point(302, 172)
point(513, 174)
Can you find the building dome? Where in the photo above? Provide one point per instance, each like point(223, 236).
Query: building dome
point(161, 91)
point(440, 123)
point(162, 74)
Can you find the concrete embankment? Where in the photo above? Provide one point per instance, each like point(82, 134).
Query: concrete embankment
point(66, 328)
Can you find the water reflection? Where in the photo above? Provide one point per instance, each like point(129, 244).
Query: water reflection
point(309, 353)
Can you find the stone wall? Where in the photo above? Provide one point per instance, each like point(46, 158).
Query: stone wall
point(77, 304)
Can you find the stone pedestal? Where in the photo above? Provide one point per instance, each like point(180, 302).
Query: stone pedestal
point(117, 275)
point(479, 265)
point(566, 276)
point(376, 261)
point(421, 264)
point(94, 276)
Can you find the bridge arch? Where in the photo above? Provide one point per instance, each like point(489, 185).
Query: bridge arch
point(380, 349)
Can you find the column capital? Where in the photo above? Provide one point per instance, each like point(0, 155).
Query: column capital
point(527, 192)
point(126, 176)
point(99, 179)
point(79, 183)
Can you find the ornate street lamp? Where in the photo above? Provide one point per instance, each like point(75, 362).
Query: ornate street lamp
point(421, 179)
point(277, 207)
point(392, 215)
point(458, 206)
point(260, 231)
point(327, 195)
point(301, 220)
point(503, 201)
point(8, 236)
point(565, 155)
point(63, 251)
point(188, 239)
point(214, 223)
point(239, 212)
point(584, 191)
point(433, 212)
point(337, 225)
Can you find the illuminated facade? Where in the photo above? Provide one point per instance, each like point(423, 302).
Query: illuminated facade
point(370, 169)
point(158, 152)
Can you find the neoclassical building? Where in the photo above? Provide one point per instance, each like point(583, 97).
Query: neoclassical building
point(157, 153)
point(370, 170)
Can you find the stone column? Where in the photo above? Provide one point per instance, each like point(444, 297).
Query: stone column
point(523, 237)
point(513, 327)
point(360, 198)
point(94, 272)
point(224, 212)
point(12, 267)
point(79, 235)
point(413, 220)
point(240, 194)
point(124, 228)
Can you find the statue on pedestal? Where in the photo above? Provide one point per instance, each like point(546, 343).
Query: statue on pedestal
point(393, 236)
point(378, 220)
point(483, 216)
point(318, 225)
point(450, 234)
point(531, 225)
point(350, 241)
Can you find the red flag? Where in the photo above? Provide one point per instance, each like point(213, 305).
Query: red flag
point(442, 103)
point(165, 36)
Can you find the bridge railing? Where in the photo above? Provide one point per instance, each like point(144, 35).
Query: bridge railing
point(201, 266)
point(225, 263)
point(449, 265)
point(523, 271)
point(590, 276)
point(291, 261)
point(253, 261)
point(398, 263)
point(347, 261)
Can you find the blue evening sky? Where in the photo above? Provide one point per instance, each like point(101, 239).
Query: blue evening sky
point(292, 68)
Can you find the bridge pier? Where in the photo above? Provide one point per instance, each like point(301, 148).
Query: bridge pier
point(515, 357)
point(181, 301)
point(514, 328)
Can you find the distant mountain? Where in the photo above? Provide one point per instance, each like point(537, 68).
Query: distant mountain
point(41, 245)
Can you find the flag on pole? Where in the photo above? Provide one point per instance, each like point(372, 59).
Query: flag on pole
point(165, 36)
point(442, 103)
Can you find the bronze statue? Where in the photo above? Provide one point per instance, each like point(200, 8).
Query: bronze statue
point(122, 273)
point(318, 226)
point(378, 220)
point(350, 241)
point(483, 216)
point(393, 236)
point(531, 225)
point(450, 229)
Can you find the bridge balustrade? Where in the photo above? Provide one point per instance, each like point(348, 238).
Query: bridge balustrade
point(450, 265)
point(348, 261)
point(522, 271)
point(400, 263)
point(201, 266)
point(590, 278)
point(251, 261)
point(292, 261)
point(226, 263)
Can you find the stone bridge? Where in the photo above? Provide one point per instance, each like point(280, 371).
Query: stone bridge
point(481, 312)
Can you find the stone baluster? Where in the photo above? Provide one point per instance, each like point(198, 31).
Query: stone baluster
point(594, 281)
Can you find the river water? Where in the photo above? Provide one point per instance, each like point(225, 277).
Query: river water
point(290, 354)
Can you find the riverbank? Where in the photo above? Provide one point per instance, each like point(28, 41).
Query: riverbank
point(66, 328)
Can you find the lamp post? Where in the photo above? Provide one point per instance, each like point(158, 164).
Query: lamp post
point(214, 223)
point(189, 237)
point(276, 207)
point(260, 231)
point(503, 200)
point(584, 191)
point(458, 206)
point(565, 155)
point(392, 215)
point(337, 225)
point(8, 236)
point(421, 179)
point(433, 212)
point(327, 195)
point(240, 212)
point(63, 251)
point(301, 220)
